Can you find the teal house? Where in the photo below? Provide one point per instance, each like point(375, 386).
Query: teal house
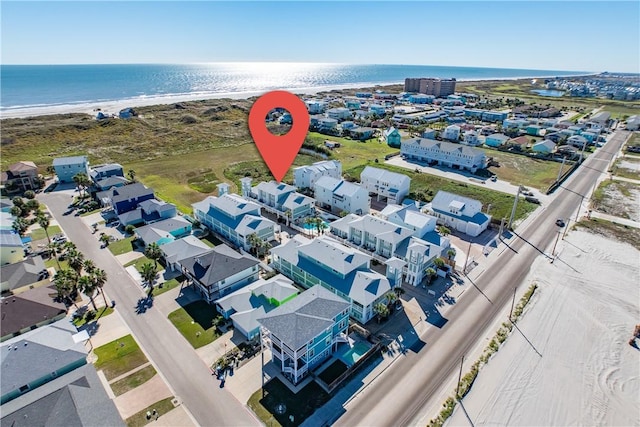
point(496, 140)
point(392, 135)
point(305, 331)
point(68, 167)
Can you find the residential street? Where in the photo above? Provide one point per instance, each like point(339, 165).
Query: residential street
point(410, 383)
point(188, 377)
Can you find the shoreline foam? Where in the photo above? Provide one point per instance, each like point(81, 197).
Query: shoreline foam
point(114, 106)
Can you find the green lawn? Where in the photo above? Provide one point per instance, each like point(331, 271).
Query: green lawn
point(140, 418)
point(195, 322)
point(122, 246)
point(132, 381)
point(93, 315)
point(39, 233)
point(167, 286)
point(51, 262)
point(140, 261)
point(211, 240)
point(119, 357)
point(428, 185)
point(300, 405)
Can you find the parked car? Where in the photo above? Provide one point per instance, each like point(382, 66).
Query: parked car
point(532, 200)
point(560, 222)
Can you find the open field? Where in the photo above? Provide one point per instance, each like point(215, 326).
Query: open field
point(119, 357)
point(523, 170)
point(618, 198)
point(627, 167)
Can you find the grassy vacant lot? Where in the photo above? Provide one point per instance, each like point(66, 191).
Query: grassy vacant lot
point(523, 170)
point(122, 246)
point(429, 185)
point(196, 322)
point(119, 357)
point(611, 230)
point(39, 233)
point(627, 167)
point(300, 405)
point(140, 418)
point(619, 198)
point(132, 381)
point(92, 315)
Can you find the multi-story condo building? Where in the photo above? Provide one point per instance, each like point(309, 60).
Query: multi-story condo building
point(283, 198)
point(339, 195)
point(306, 176)
point(305, 331)
point(391, 185)
point(234, 218)
point(444, 153)
point(343, 270)
point(409, 216)
point(430, 86)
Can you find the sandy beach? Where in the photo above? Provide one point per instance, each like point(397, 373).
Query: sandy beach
point(575, 366)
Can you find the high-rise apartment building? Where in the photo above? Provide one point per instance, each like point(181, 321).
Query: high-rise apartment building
point(430, 86)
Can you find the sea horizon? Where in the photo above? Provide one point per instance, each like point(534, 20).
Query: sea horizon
point(29, 90)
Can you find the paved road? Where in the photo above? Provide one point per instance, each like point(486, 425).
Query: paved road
point(174, 357)
point(399, 397)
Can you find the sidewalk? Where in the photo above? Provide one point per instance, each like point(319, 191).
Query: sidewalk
point(136, 400)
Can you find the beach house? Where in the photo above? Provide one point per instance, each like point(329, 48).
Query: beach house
point(444, 153)
point(68, 167)
point(11, 247)
point(343, 270)
point(180, 249)
point(126, 198)
point(219, 272)
point(21, 176)
point(305, 331)
point(451, 133)
point(392, 186)
point(306, 176)
point(234, 218)
point(164, 231)
point(339, 113)
point(545, 147)
point(338, 195)
point(495, 140)
point(409, 216)
point(246, 305)
point(393, 137)
point(100, 172)
point(148, 211)
point(281, 198)
point(459, 213)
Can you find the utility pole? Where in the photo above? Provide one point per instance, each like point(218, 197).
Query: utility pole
point(262, 361)
point(459, 378)
point(584, 145)
point(466, 261)
point(553, 251)
point(501, 230)
point(513, 302)
point(515, 204)
point(564, 159)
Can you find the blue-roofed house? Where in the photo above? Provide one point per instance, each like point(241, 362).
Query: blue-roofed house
point(460, 213)
point(305, 331)
point(246, 305)
point(547, 146)
point(219, 272)
point(393, 137)
point(147, 212)
point(421, 98)
point(342, 269)
point(234, 218)
point(68, 167)
point(496, 140)
point(126, 198)
point(105, 171)
point(377, 109)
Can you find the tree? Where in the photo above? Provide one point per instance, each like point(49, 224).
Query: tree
point(451, 253)
point(381, 310)
point(391, 298)
point(438, 262)
point(16, 211)
point(54, 249)
point(153, 252)
point(65, 282)
point(254, 242)
point(430, 272)
point(32, 205)
point(320, 225)
point(310, 222)
point(104, 238)
point(132, 175)
point(99, 277)
point(82, 181)
point(148, 273)
point(75, 258)
point(88, 287)
point(44, 222)
point(129, 229)
point(20, 226)
point(30, 194)
point(18, 201)
point(288, 214)
point(444, 230)
point(89, 266)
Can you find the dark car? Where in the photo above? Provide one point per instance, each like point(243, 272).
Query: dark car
point(532, 200)
point(560, 222)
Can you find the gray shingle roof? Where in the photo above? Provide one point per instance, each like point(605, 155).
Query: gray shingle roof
point(29, 308)
point(220, 263)
point(309, 314)
point(189, 246)
point(23, 273)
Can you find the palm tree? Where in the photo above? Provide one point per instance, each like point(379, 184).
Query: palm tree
point(265, 248)
point(44, 222)
point(153, 252)
point(430, 272)
point(451, 253)
point(99, 277)
point(75, 259)
point(320, 225)
point(438, 262)
point(391, 298)
point(254, 242)
point(15, 211)
point(148, 272)
point(82, 181)
point(288, 214)
point(88, 287)
point(309, 221)
point(132, 175)
point(381, 310)
point(104, 238)
point(64, 281)
point(55, 249)
point(20, 226)
point(444, 230)
point(89, 266)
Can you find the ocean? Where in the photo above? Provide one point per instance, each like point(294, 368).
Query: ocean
point(38, 87)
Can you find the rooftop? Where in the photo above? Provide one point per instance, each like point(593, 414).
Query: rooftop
point(222, 262)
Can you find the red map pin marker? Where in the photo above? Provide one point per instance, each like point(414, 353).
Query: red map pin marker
point(278, 152)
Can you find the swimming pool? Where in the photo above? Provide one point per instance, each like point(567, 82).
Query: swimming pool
point(355, 353)
point(312, 227)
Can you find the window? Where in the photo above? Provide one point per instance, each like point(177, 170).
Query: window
point(310, 353)
point(328, 340)
point(24, 388)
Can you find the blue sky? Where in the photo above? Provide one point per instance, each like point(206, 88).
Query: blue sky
point(570, 35)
